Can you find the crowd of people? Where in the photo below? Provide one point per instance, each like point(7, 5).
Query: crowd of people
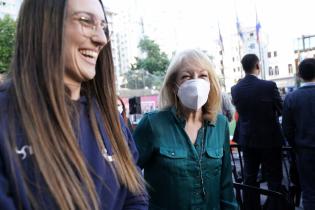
point(66, 142)
point(261, 135)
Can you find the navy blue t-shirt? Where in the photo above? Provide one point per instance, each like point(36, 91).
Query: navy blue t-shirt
point(112, 195)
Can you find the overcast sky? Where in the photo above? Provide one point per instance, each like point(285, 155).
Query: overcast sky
point(197, 20)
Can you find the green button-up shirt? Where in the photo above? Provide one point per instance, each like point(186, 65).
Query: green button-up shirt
point(178, 179)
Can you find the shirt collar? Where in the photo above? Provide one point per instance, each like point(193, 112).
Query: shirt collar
point(254, 75)
point(182, 121)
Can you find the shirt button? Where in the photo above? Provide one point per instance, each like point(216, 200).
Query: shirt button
point(172, 153)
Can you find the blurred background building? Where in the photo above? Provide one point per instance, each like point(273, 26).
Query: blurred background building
point(9, 7)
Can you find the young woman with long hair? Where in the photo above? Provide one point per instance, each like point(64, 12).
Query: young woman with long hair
point(62, 142)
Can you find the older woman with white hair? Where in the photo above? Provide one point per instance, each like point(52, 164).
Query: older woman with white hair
point(184, 147)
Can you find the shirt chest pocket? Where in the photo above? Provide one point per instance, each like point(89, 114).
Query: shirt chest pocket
point(213, 161)
point(173, 160)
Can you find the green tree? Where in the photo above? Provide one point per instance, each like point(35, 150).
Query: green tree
point(140, 79)
point(7, 41)
point(155, 62)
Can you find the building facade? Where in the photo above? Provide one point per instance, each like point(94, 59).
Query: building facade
point(276, 64)
point(126, 27)
point(10, 7)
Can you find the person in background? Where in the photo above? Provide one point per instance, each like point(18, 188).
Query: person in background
point(259, 105)
point(227, 106)
point(236, 130)
point(184, 148)
point(237, 124)
point(62, 142)
point(298, 124)
point(282, 93)
point(122, 110)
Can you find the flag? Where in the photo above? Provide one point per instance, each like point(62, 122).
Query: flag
point(220, 39)
point(239, 31)
point(258, 26)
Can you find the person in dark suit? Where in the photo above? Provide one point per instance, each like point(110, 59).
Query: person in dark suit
point(259, 105)
point(299, 128)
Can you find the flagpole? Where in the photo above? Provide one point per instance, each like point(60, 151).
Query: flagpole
point(261, 55)
point(223, 71)
point(239, 55)
point(222, 58)
point(262, 62)
point(240, 36)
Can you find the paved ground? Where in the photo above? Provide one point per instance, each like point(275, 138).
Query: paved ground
point(285, 182)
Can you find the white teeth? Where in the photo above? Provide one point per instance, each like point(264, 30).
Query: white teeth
point(89, 53)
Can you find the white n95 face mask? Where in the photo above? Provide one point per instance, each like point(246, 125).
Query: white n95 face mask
point(193, 93)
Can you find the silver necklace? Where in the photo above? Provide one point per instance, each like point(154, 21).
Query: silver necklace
point(200, 159)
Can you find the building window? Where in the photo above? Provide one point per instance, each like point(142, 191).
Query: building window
point(238, 69)
point(269, 54)
point(275, 54)
point(233, 59)
point(222, 71)
point(252, 46)
point(270, 71)
point(276, 70)
point(290, 68)
point(234, 69)
point(221, 62)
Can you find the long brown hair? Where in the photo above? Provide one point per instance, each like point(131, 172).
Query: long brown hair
point(44, 108)
point(124, 112)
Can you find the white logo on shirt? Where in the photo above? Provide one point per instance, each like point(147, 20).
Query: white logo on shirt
point(107, 157)
point(24, 151)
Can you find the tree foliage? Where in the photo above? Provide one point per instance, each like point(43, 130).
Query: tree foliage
point(141, 79)
point(154, 61)
point(7, 42)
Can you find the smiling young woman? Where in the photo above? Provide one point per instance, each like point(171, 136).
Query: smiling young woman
point(62, 142)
